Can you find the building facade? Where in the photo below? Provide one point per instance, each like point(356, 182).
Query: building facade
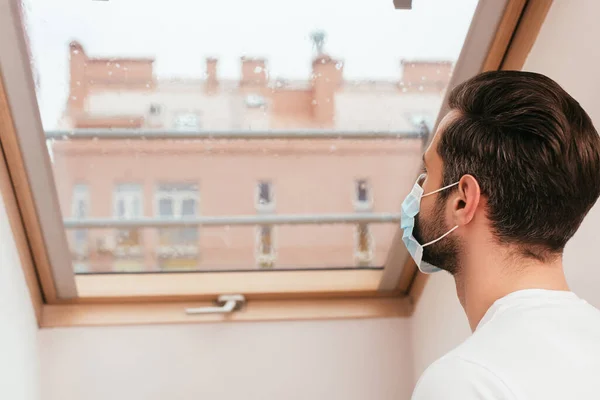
point(183, 178)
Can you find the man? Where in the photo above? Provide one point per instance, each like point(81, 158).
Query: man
point(513, 169)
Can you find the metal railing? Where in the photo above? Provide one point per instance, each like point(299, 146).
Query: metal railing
point(240, 220)
point(154, 134)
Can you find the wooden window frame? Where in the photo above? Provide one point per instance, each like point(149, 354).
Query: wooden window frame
point(360, 293)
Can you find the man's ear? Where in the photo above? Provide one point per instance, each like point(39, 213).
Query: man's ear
point(465, 200)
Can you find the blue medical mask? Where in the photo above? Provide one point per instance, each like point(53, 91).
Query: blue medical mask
point(410, 208)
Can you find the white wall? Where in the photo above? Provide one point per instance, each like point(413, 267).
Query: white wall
point(344, 360)
point(18, 328)
point(566, 52)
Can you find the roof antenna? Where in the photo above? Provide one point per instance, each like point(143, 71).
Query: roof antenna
point(318, 39)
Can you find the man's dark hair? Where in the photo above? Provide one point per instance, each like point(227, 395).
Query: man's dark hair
point(534, 152)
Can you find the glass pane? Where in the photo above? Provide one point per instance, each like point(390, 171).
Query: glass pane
point(191, 110)
point(186, 121)
point(231, 248)
point(361, 188)
point(188, 208)
point(264, 192)
point(165, 208)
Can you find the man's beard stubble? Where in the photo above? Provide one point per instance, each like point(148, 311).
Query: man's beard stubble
point(442, 254)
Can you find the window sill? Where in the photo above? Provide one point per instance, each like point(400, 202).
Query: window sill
point(79, 315)
point(156, 287)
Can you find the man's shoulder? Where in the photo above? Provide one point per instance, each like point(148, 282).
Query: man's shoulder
point(456, 377)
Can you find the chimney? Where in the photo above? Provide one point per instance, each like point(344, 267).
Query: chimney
point(212, 82)
point(254, 72)
point(78, 81)
point(326, 79)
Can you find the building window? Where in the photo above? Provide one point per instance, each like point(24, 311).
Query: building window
point(154, 119)
point(364, 245)
point(176, 200)
point(178, 247)
point(81, 201)
point(255, 101)
point(265, 254)
point(186, 121)
point(155, 109)
point(128, 204)
point(80, 206)
point(423, 120)
point(128, 201)
point(264, 197)
point(363, 199)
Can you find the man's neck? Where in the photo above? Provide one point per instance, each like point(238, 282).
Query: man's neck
point(487, 276)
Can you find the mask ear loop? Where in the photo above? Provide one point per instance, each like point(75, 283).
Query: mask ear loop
point(441, 237)
point(439, 190)
point(451, 230)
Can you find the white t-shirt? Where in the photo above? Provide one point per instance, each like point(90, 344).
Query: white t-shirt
point(530, 345)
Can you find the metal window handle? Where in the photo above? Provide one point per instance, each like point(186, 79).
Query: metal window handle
point(225, 304)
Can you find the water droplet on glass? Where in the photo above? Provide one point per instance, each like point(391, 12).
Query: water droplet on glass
point(404, 90)
point(147, 85)
point(332, 148)
point(314, 102)
point(75, 51)
point(423, 78)
point(258, 69)
point(339, 65)
point(73, 97)
point(108, 63)
point(437, 71)
point(118, 65)
point(78, 83)
point(421, 88)
point(109, 72)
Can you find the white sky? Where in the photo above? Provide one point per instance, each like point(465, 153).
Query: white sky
point(369, 35)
